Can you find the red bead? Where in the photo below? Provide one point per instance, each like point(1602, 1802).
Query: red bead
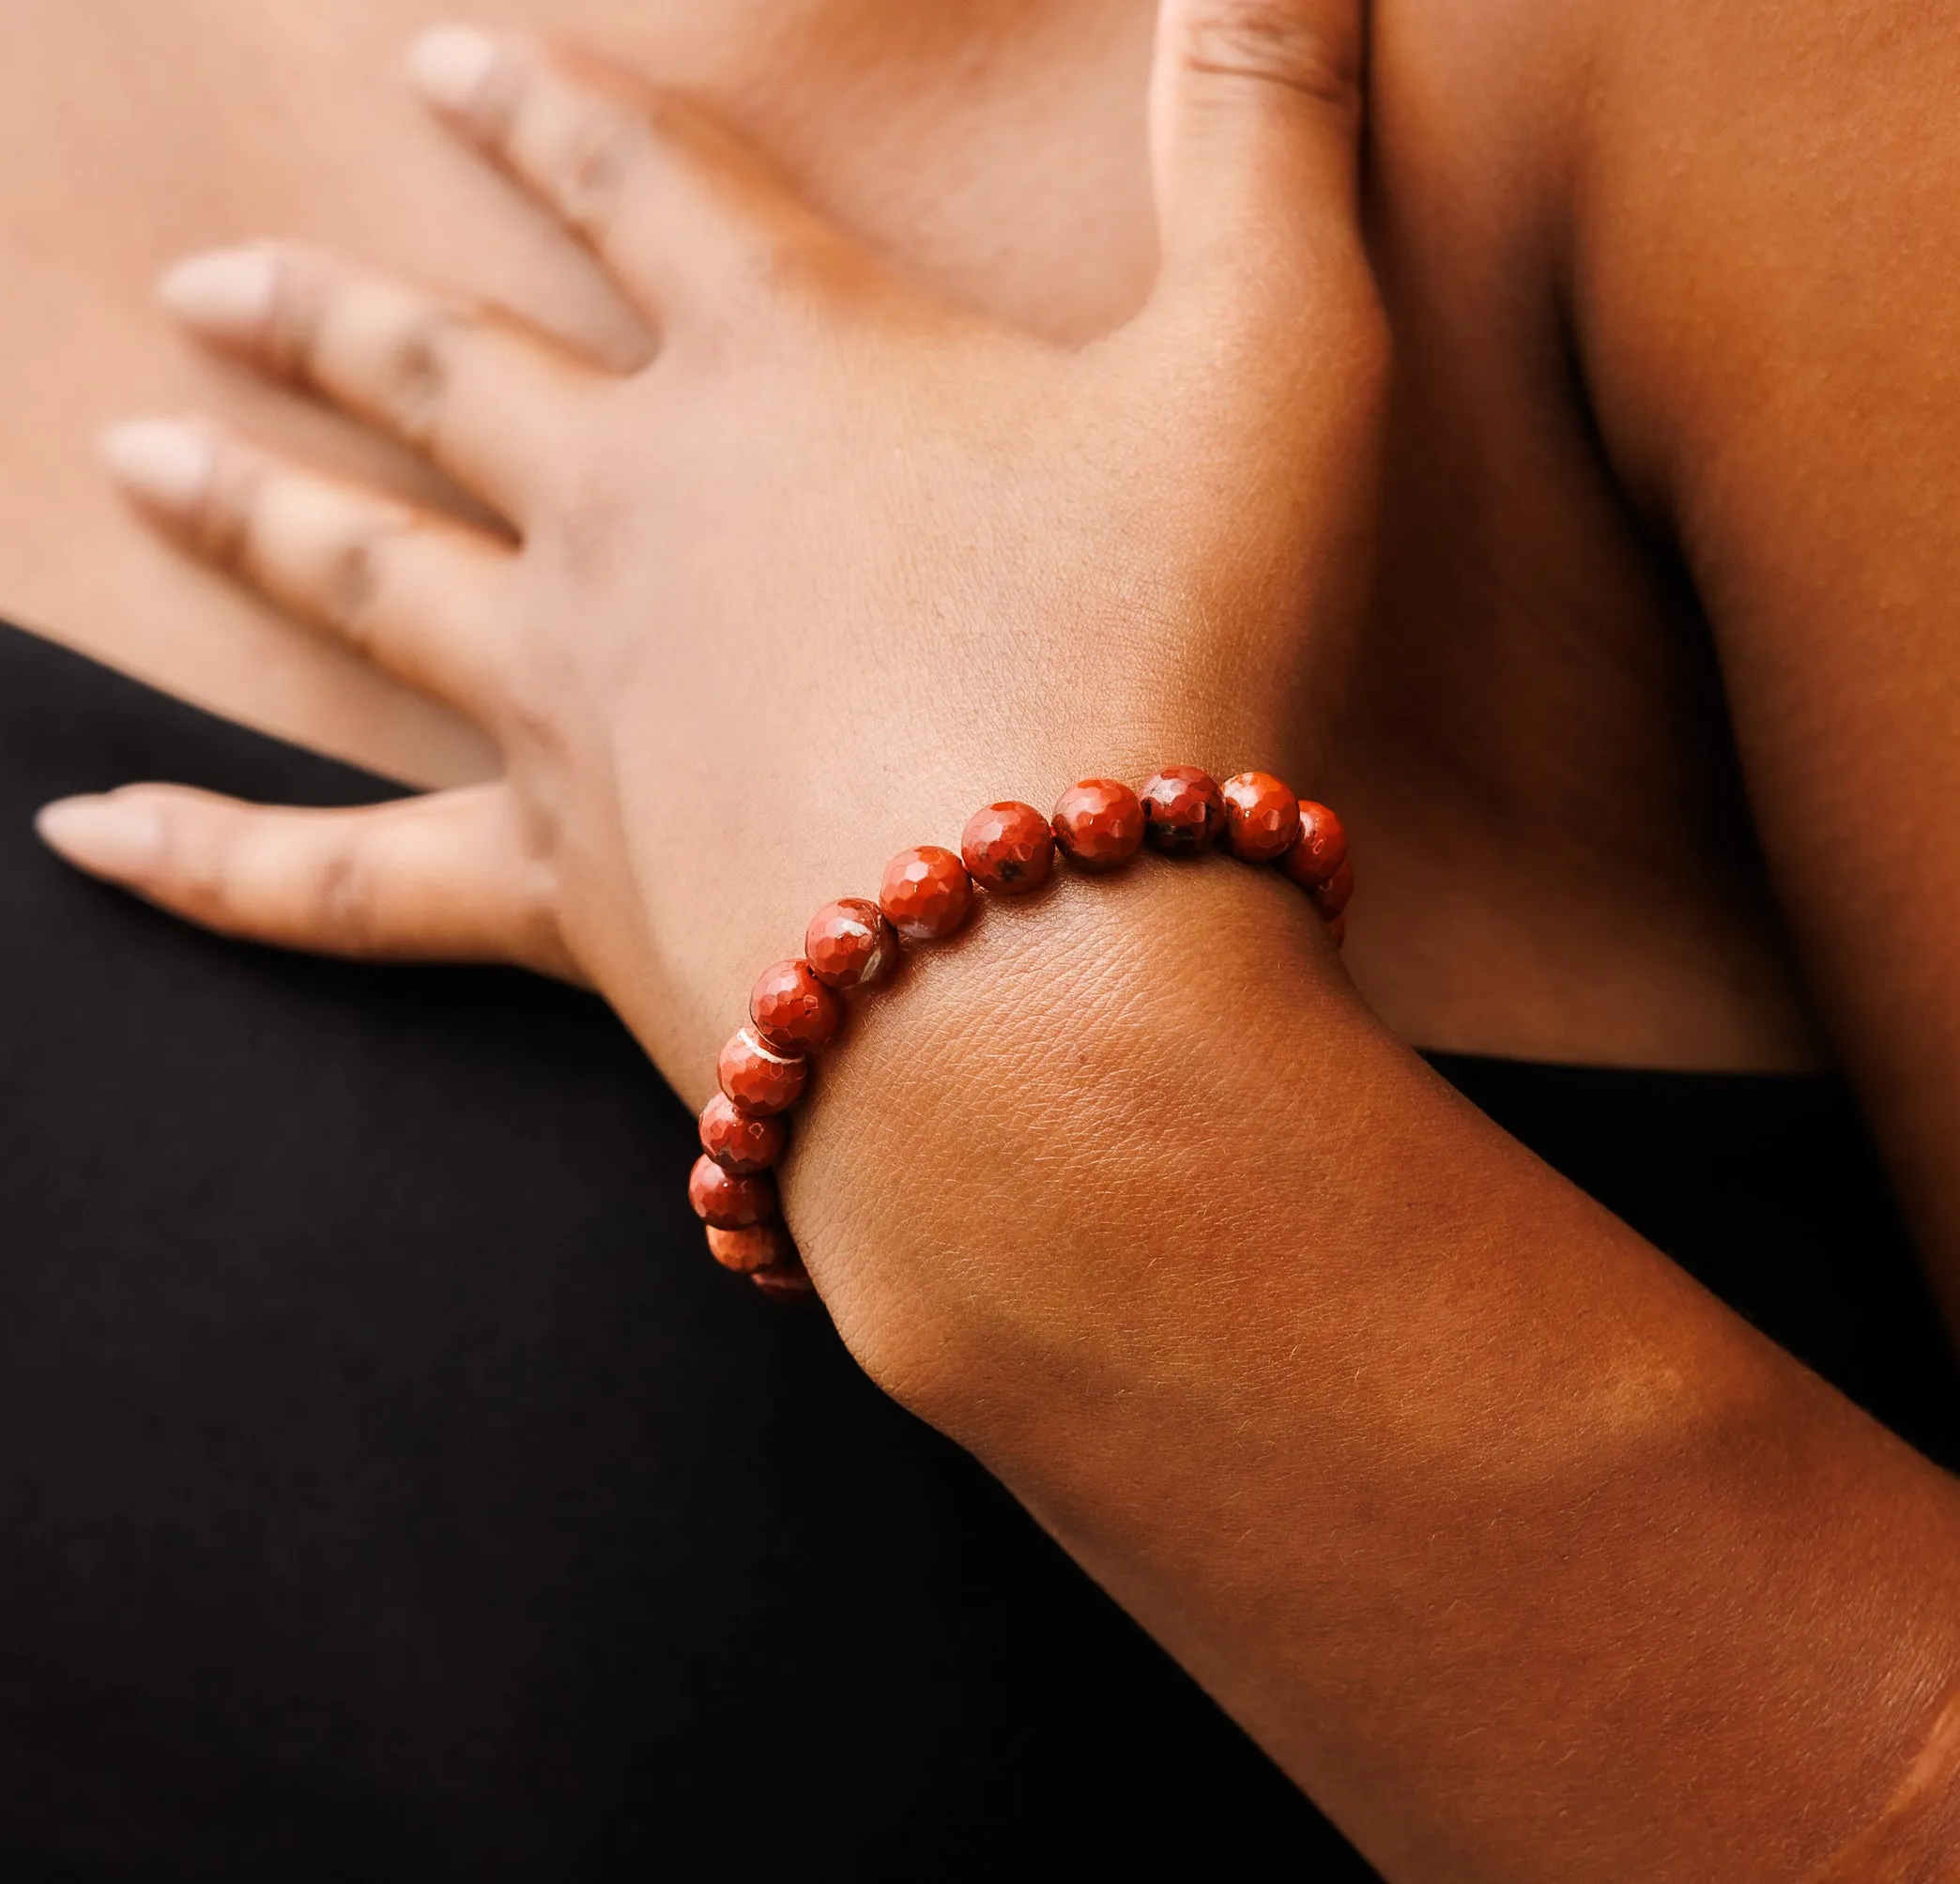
point(1261, 817)
point(1337, 929)
point(1321, 848)
point(1332, 897)
point(793, 1011)
point(758, 1079)
point(1184, 811)
point(926, 893)
point(848, 943)
point(737, 1141)
point(758, 1247)
point(1098, 824)
point(787, 1281)
point(725, 1202)
point(1008, 848)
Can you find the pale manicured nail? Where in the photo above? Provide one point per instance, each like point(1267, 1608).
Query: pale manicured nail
point(225, 293)
point(165, 462)
point(109, 836)
point(450, 65)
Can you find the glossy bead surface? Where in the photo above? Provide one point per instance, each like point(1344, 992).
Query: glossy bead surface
point(793, 1012)
point(739, 1141)
point(1098, 824)
point(1321, 848)
point(926, 893)
point(1332, 897)
point(725, 1202)
point(1261, 817)
point(747, 1250)
point(848, 943)
point(787, 1281)
point(1008, 848)
point(1184, 811)
point(758, 1079)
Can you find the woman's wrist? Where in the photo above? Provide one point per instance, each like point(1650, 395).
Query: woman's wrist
point(982, 1163)
point(1008, 851)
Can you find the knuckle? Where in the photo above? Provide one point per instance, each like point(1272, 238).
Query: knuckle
point(302, 294)
point(224, 521)
point(419, 369)
point(342, 900)
point(1278, 43)
point(355, 576)
point(193, 867)
point(589, 175)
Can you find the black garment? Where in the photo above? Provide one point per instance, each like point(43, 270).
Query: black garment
point(389, 1488)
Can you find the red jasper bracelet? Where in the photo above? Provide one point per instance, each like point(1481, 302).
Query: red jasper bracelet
point(1009, 851)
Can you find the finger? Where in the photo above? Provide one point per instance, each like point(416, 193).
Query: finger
point(466, 387)
point(1255, 134)
point(435, 879)
point(672, 204)
point(414, 592)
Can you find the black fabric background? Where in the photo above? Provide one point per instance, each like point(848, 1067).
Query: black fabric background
point(390, 1488)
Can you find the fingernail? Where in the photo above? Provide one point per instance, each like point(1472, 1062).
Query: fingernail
point(106, 836)
point(450, 64)
point(165, 462)
point(226, 293)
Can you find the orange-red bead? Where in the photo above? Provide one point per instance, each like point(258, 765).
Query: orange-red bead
point(725, 1202)
point(926, 893)
point(1321, 848)
point(1008, 848)
point(787, 1281)
point(758, 1247)
point(1261, 817)
point(1184, 811)
point(1332, 897)
point(1098, 824)
point(758, 1080)
point(848, 943)
point(793, 1011)
point(739, 1142)
point(1337, 929)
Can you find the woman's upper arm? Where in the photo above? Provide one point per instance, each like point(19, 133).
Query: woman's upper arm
point(1767, 293)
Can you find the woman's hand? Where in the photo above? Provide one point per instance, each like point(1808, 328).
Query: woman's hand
point(1526, 1558)
point(840, 564)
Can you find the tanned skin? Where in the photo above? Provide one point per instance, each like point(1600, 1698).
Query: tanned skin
point(1522, 1554)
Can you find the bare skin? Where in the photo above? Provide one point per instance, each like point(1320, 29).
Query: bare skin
point(1605, 912)
point(1501, 1537)
point(1518, 1550)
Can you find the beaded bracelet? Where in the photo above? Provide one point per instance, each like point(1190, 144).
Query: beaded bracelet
point(1009, 849)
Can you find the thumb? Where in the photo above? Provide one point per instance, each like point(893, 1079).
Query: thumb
point(1255, 136)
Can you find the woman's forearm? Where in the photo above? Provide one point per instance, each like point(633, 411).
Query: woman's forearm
point(1516, 1548)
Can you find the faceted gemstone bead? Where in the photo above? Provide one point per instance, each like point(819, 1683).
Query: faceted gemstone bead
point(758, 1080)
point(758, 1247)
point(1321, 848)
point(739, 1142)
point(725, 1202)
point(1332, 897)
point(1098, 824)
point(1184, 811)
point(926, 893)
point(848, 943)
point(787, 1281)
point(793, 1011)
point(1261, 817)
point(1008, 848)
